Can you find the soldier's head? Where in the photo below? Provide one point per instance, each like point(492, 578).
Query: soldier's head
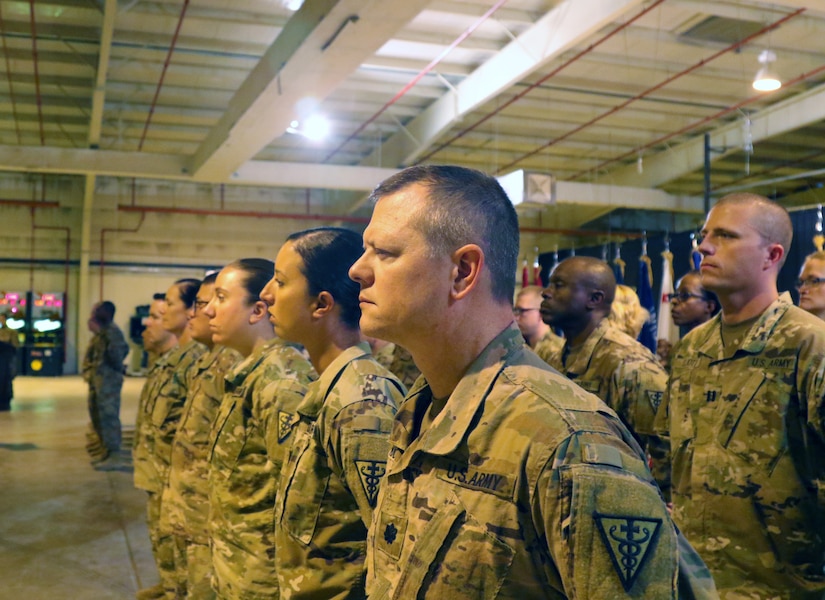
point(199, 322)
point(155, 337)
point(580, 291)
point(810, 284)
point(180, 298)
point(527, 310)
point(691, 304)
point(311, 285)
point(627, 312)
point(440, 238)
point(237, 315)
point(745, 241)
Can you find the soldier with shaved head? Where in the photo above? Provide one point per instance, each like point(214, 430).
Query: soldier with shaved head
point(746, 415)
point(599, 356)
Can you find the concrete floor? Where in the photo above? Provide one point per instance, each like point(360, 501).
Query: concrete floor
point(66, 530)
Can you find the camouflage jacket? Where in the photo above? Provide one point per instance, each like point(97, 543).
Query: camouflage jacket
point(548, 346)
point(523, 486)
point(104, 356)
point(747, 428)
point(330, 483)
point(185, 499)
point(247, 447)
point(628, 378)
point(159, 411)
point(399, 362)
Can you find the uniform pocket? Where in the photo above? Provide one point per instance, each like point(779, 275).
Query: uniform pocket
point(229, 439)
point(306, 479)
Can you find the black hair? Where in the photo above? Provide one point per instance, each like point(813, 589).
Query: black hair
point(105, 312)
point(327, 254)
point(188, 290)
point(210, 278)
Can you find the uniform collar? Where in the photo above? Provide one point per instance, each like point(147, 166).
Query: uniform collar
point(453, 423)
point(237, 375)
point(708, 334)
point(314, 400)
point(582, 355)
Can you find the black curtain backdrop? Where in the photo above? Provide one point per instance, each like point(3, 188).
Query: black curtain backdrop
point(804, 224)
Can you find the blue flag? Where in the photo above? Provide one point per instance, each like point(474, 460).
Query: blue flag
point(648, 334)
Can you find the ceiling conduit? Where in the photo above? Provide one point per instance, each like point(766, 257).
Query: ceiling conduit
point(469, 31)
point(540, 82)
point(697, 124)
point(162, 74)
point(650, 90)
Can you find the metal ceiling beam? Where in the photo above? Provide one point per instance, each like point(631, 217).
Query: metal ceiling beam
point(320, 46)
point(568, 24)
point(798, 111)
point(99, 94)
point(145, 165)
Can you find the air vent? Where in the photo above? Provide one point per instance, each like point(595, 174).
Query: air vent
point(721, 30)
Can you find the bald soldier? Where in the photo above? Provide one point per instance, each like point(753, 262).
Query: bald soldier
point(746, 415)
point(537, 334)
point(503, 479)
point(599, 356)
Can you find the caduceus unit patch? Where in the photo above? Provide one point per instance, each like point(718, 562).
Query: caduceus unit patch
point(629, 540)
point(370, 472)
point(286, 421)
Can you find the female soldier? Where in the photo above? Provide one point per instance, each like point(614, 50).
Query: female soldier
point(330, 483)
point(158, 414)
point(251, 430)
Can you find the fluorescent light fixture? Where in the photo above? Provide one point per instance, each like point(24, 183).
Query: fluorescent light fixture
point(292, 5)
point(314, 128)
point(766, 80)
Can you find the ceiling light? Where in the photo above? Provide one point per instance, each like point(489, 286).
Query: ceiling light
point(292, 5)
point(766, 80)
point(315, 128)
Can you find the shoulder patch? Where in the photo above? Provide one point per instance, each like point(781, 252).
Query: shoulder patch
point(655, 398)
point(628, 540)
point(370, 473)
point(286, 421)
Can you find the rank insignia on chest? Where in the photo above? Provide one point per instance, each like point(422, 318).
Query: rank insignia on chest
point(628, 540)
point(390, 533)
point(370, 472)
point(285, 423)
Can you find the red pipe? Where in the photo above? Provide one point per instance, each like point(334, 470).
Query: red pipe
point(647, 92)
point(582, 232)
point(29, 203)
point(699, 123)
point(467, 33)
point(12, 96)
point(530, 88)
point(36, 75)
point(162, 74)
point(68, 232)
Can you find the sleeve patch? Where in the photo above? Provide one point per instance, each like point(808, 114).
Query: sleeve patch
point(628, 540)
point(286, 421)
point(601, 454)
point(370, 473)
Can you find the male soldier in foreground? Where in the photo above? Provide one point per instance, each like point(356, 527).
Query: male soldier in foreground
point(536, 332)
point(503, 479)
point(103, 371)
point(747, 415)
point(599, 356)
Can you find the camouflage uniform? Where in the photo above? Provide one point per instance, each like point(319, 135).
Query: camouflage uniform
point(330, 483)
point(185, 499)
point(159, 411)
point(747, 426)
point(103, 371)
point(628, 378)
point(399, 362)
point(248, 444)
point(548, 346)
point(523, 486)
point(8, 365)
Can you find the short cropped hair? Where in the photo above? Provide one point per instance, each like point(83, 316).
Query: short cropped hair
point(327, 254)
point(772, 220)
point(464, 206)
point(105, 312)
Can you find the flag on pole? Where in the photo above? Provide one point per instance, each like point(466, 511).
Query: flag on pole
point(618, 265)
point(695, 255)
point(525, 277)
point(666, 328)
point(645, 291)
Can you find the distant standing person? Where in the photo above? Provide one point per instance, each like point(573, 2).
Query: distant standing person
point(691, 304)
point(103, 371)
point(810, 284)
point(8, 362)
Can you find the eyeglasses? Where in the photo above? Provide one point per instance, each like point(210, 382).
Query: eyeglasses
point(201, 304)
point(683, 296)
point(518, 311)
point(809, 282)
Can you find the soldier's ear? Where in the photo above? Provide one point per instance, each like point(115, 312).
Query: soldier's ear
point(596, 298)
